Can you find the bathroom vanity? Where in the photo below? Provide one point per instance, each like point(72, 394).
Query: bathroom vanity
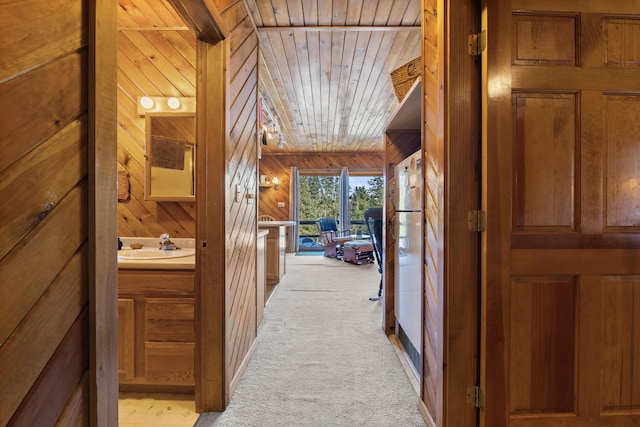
point(156, 322)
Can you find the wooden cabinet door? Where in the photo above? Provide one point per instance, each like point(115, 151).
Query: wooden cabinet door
point(169, 363)
point(561, 255)
point(169, 320)
point(126, 338)
point(273, 260)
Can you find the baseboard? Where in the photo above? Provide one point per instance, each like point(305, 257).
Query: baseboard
point(243, 367)
point(424, 411)
point(400, 352)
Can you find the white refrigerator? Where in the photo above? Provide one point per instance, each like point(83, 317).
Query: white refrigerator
point(408, 224)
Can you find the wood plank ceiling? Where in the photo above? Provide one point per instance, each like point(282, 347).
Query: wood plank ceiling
point(325, 69)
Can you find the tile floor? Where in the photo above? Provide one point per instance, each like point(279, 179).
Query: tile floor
point(167, 410)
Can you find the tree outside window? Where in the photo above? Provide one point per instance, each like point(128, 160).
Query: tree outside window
point(320, 197)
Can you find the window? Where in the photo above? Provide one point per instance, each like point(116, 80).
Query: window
point(364, 192)
point(320, 197)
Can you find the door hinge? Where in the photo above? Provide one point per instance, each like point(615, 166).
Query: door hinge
point(475, 397)
point(477, 221)
point(477, 43)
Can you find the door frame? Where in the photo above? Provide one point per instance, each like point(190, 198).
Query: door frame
point(211, 373)
point(102, 158)
point(462, 194)
point(456, 120)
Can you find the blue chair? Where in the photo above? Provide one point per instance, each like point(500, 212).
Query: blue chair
point(332, 238)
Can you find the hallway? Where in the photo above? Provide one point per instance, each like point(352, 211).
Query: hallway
point(322, 358)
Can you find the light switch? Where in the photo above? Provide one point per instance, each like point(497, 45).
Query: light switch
point(281, 204)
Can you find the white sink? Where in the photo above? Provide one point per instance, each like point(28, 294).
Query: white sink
point(154, 253)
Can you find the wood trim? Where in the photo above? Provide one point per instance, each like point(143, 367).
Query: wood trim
point(496, 104)
point(335, 153)
point(586, 6)
point(103, 281)
point(185, 28)
point(462, 193)
point(437, 136)
point(203, 18)
point(334, 28)
point(212, 385)
point(336, 172)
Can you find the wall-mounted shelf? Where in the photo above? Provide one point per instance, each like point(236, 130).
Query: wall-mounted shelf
point(408, 114)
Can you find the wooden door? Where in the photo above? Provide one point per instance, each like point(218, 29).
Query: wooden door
point(561, 255)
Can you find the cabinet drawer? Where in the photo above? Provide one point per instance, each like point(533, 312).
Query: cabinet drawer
point(151, 282)
point(170, 319)
point(169, 363)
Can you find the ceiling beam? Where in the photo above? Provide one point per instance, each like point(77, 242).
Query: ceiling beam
point(341, 28)
point(203, 18)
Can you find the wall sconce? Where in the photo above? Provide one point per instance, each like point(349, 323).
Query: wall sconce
point(173, 103)
point(163, 104)
point(276, 182)
point(146, 102)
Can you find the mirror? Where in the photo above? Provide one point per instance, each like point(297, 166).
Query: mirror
point(170, 155)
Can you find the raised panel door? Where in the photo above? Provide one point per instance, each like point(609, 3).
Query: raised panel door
point(561, 252)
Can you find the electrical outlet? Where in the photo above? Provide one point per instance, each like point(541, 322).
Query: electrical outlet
point(281, 204)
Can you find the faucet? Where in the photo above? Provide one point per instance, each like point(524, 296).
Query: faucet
point(166, 244)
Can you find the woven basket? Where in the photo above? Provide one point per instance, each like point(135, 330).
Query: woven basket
point(403, 77)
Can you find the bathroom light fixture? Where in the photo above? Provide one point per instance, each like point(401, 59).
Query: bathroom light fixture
point(173, 103)
point(276, 182)
point(164, 104)
point(146, 102)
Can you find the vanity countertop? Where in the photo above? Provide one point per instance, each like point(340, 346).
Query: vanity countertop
point(177, 263)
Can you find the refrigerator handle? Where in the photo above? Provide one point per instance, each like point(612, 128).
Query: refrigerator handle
point(392, 229)
point(392, 195)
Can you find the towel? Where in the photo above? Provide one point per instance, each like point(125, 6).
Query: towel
point(123, 185)
point(167, 152)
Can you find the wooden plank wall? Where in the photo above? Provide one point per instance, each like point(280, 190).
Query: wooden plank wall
point(44, 257)
point(242, 158)
point(434, 175)
point(280, 166)
point(156, 57)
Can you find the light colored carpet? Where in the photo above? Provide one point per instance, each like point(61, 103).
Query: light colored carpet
point(322, 359)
